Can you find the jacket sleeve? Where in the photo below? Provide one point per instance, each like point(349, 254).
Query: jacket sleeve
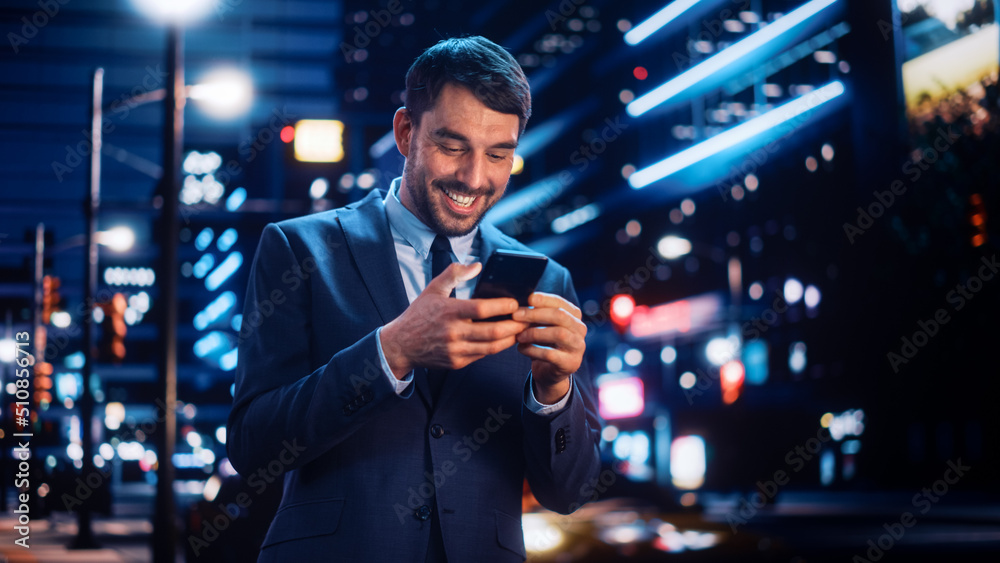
point(561, 450)
point(281, 403)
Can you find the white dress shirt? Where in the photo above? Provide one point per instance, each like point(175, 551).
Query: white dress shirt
point(413, 246)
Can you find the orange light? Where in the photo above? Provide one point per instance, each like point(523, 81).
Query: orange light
point(288, 134)
point(977, 219)
point(732, 375)
point(979, 240)
point(975, 199)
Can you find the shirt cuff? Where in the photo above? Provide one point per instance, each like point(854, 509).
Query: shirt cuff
point(538, 408)
point(399, 385)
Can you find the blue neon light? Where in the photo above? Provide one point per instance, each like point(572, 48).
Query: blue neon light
point(214, 310)
point(208, 343)
point(204, 238)
point(732, 137)
point(227, 268)
point(228, 360)
point(236, 199)
point(655, 22)
point(227, 239)
point(203, 266)
point(725, 60)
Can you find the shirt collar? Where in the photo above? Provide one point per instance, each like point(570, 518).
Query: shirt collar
point(416, 233)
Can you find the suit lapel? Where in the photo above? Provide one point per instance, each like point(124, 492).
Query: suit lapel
point(369, 239)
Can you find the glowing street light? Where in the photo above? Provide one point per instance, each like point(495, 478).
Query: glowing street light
point(118, 239)
point(224, 93)
point(175, 11)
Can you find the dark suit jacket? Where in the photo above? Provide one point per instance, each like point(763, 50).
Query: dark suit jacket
point(362, 463)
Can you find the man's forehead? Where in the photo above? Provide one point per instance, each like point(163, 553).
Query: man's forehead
point(458, 112)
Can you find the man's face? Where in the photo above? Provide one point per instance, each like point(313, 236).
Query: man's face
point(458, 160)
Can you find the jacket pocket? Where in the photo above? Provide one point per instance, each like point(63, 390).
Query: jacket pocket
point(509, 533)
point(305, 519)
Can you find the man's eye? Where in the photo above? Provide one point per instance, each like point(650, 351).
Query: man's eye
point(451, 150)
point(496, 157)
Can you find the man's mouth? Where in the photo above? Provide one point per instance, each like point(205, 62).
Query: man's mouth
point(465, 201)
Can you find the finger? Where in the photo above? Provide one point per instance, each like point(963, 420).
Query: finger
point(553, 337)
point(451, 277)
point(490, 331)
point(541, 299)
point(486, 308)
point(551, 317)
point(473, 351)
point(564, 361)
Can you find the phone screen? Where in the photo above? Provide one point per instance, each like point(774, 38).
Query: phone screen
point(510, 273)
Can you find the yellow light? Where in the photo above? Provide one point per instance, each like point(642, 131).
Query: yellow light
point(319, 140)
point(518, 165)
point(826, 419)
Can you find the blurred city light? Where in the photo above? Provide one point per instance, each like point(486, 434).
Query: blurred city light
point(668, 354)
point(672, 247)
point(620, 398)
point(318, 188)
point(223, 272)
point(720, 350)
point(731, 375)
point(8, 350)
point(797, 357)
point(319, 140)
point(688, 462)
point(540, 535)
point(175, 11)
point(236, 199)
point(812, 296)
point(633, 357)
point(793, 291)
point(223, 93)
point(227, 239)
point(688, 380)
point(118, 239)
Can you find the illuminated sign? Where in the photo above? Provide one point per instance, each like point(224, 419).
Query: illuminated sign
point(681, 316)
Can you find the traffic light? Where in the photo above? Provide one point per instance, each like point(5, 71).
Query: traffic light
point(51, 300)
point(977, 218)
point(112, 347)
point(42, 380)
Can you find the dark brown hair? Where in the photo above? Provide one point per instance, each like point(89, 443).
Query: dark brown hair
point(477, 63)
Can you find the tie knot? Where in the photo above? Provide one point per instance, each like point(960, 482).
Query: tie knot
point(441, 244)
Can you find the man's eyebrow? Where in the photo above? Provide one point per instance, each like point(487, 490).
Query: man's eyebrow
point(446, 133)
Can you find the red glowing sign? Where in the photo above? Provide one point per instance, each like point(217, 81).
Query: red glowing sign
point(677, 316)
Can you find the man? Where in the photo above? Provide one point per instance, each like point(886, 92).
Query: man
point(404, 427)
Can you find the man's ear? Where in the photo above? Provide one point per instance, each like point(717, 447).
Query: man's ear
point(403, 129)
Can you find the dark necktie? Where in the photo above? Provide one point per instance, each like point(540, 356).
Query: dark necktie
point(440, 259)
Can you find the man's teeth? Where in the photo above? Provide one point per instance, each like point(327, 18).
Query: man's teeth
point(462, 200)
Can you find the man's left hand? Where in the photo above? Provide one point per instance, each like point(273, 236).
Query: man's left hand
point(555, 343)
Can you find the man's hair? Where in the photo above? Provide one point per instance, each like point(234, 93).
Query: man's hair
point(477, 63)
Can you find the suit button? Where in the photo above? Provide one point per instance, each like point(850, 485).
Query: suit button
point(437, 430)
point(423, 513)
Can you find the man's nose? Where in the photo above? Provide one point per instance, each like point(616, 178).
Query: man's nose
point(472, 171)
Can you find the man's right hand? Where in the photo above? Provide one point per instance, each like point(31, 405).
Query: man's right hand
point(436, 331)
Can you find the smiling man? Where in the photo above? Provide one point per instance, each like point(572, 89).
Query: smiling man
point(416, 424)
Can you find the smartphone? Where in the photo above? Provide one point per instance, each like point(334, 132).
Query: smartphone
point(510, 273)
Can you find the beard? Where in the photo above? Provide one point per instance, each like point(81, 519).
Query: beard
point(440, 220)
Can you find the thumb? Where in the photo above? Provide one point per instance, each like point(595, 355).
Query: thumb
point(453, 275)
